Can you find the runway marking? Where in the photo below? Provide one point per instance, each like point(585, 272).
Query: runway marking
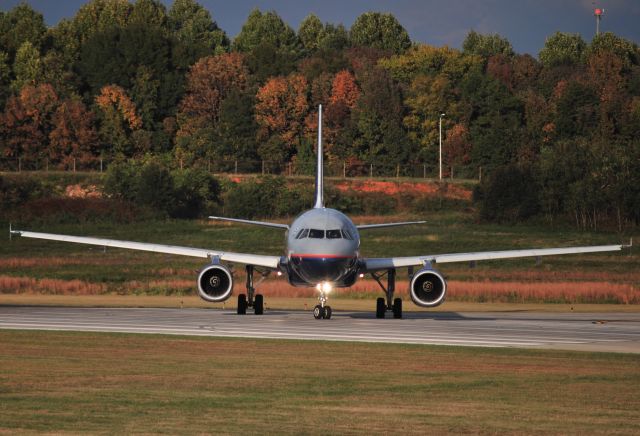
point(485, 330)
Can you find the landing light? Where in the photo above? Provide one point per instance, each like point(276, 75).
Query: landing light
point(324, 287)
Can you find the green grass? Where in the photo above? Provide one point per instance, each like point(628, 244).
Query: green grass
point(58, 382)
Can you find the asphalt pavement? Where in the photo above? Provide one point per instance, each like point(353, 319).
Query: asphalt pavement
point(617, 332)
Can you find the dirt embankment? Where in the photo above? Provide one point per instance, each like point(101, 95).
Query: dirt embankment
point(455, 192)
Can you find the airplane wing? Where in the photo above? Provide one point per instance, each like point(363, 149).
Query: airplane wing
point(255, 223)
point(379, 226)
point(243, 258)
point(374, 264)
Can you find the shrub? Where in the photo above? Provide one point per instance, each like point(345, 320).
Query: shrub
point(510, 194)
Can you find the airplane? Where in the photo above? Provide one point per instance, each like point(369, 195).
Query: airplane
point(322, 251)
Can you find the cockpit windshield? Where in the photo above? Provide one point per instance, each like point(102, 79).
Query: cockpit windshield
point(334, 234)
point(322, 234)
point(316, 234)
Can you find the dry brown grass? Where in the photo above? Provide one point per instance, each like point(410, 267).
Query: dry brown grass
point(476, 291)
point(12, 285)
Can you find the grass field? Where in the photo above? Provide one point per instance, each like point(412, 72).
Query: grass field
point(41, 267)
point(57, 382)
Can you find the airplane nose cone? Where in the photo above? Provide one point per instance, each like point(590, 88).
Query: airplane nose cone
point(322, 268)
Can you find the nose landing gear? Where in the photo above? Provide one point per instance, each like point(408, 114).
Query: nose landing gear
point(322, 311)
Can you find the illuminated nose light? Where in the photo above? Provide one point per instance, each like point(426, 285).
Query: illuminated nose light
point(361, 275)
point(324, 287)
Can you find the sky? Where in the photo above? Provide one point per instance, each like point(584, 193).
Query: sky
point(525, 23)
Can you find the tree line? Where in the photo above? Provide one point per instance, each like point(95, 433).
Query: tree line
point(125, 80)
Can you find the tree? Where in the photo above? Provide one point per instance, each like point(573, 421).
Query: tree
point(281, 108)
point(486, 45)
point(626, 50)
point(5, 78)
point(344, 89)
point(73, 135)
point(562, 49)
point(27, 121)
point(378, 30)
point(198, 34)
point(268, 27)
point(576, 110)
point(310, 31)
point(119, 120)
point(151, 13)
point(236, 129)
point(19, 25)
point(27, 67)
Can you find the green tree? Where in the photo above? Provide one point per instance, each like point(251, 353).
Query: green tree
point(486, 45)
point(310, 31)
point(378, 30)
point(562, 49)
point(236, 130)
point(19, 25)
point(150, 13)
point(266, 28)
point(576, 111)
point(5, 78)
point(198, 35)
point(27, 67)
point(495, 120)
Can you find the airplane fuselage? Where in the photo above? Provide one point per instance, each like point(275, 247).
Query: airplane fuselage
point(322, 247)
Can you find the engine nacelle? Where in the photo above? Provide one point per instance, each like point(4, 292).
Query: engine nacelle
point(428, 288)
point(215, 283)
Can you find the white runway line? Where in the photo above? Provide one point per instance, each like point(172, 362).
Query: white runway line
point(468, 329)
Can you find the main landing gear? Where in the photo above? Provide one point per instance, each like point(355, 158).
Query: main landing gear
point(389, 304)
point(251, 299)
point(322, 311)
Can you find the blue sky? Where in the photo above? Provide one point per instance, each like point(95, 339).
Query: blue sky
point(526, 23)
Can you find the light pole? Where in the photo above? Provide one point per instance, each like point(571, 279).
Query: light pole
point(442, 115)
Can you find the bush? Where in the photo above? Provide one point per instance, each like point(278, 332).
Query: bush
point(511, 194)
point(254, 200)
point(178, 194)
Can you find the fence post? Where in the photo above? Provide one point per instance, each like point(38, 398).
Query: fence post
point(398, 171)
point(19, 164)
point(74, 164)
point(344, 169)
point(209, 166)
point(100, 164)
point(47, 165)
point(480, 175)
point(424, 171)
point(235, 170)
point(263, 167)
point(371, 171)
point(451, 172)
point(180, 163)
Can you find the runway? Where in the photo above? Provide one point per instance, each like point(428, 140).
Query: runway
point(618, 332)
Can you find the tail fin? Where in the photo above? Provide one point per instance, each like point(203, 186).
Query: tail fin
point(319, 174)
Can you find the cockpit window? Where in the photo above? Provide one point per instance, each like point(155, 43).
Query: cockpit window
point(334, 234)
point(346, 234)
point(302, 234)
point(316, 234)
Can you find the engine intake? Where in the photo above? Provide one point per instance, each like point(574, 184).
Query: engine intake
point(428, 288)
point(215, 283)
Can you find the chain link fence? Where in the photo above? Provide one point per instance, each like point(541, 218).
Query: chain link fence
point(342, 169)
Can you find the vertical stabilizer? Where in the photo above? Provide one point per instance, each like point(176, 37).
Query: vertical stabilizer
point(319, 174)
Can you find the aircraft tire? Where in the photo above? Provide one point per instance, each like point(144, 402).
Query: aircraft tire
point(242, 304)
point(258, 304)
point(327, 312)
point(318, 312)
point(397, 308)
point(381, 307)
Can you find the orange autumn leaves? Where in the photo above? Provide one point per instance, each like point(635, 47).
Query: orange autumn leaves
point(283, 106)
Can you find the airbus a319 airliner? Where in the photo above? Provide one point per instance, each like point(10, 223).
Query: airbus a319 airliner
point(322, 251)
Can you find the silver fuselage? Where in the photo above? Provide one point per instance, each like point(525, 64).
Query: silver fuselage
point(322, 247)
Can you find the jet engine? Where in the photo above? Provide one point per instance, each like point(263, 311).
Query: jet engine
point(428, 288)
point(215, 283)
